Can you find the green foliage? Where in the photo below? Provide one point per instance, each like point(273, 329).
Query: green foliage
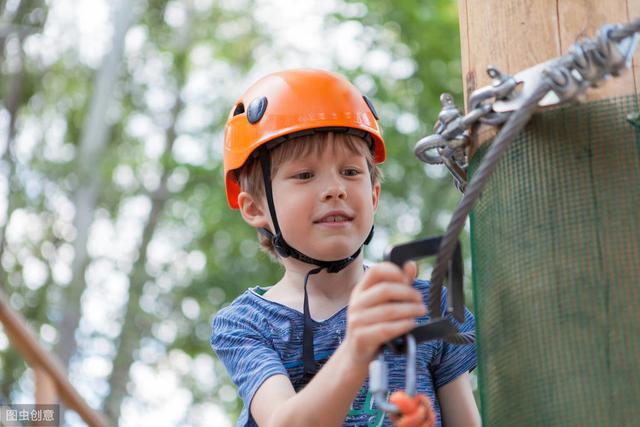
point(212, 254)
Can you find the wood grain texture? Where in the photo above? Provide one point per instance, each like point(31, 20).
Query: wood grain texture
point(517, 34)
point(583, 18)
point(510, 35)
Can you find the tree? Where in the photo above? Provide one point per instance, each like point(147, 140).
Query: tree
point(190, 35)
point(93, 142)
point(19, 21)
point(119, 243)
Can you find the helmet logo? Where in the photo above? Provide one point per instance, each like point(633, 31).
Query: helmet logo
point(256, 110)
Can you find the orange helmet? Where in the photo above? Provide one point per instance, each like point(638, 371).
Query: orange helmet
point(288, 102)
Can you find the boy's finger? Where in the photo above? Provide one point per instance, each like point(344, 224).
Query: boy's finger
point(385, 292)
point(385, 271)
point(380, 333)
point(411, 270)
point(388, 312)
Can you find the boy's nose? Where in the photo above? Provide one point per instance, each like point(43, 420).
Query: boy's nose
point(334, 189)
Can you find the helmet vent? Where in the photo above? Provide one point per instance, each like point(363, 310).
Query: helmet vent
point(371, 107)
point(239, 109)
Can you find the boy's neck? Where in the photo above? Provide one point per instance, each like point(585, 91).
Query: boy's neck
point(330, 286)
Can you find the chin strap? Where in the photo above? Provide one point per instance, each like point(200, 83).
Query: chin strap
point(311, 367)
point(284, 250)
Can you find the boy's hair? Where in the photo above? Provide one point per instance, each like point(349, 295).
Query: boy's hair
point(250, 175)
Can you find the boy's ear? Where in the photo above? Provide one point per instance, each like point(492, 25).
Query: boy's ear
point(376, 195)
point(252, 211)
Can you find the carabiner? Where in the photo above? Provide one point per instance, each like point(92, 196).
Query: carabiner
point(379, 377)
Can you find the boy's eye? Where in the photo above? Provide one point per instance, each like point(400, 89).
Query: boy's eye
point(351, 172)
point(303, 175)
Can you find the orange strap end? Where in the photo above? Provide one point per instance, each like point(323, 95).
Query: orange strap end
point(415, 411)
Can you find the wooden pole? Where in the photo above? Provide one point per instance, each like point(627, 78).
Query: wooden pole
point(554, 237)
point(26, 342)
point(46, 390)
point(516, 34)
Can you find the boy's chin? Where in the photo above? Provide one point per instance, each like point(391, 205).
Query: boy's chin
point(333, 253)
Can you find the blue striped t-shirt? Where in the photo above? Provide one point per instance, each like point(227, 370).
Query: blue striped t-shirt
point(256, 338)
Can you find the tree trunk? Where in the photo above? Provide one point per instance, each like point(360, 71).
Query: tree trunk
point(93, 141)
point(13, 365)
point(134, 320)
point(12, 104)
point(14, 97)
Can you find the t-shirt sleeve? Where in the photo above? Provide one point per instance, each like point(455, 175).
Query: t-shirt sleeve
point(455, 359)
point(247, 354)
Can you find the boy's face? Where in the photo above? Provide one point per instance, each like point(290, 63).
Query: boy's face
point(324, 202)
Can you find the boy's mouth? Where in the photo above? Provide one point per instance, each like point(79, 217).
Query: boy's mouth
point(334, 216)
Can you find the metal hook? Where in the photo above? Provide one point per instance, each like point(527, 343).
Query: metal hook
point(379, 377)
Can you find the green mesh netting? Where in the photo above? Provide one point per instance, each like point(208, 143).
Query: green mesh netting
point(556, 272)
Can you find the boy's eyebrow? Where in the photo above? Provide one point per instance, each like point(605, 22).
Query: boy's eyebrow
point(353, 155)
point(294, 164)
point(356, 154)
point(350, 155)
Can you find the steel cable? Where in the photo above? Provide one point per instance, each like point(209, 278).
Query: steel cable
point(511, 129)
point(625, 31)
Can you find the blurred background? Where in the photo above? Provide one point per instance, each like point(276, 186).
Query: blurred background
point(116, 242)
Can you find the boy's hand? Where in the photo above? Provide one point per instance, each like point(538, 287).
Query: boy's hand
point(383, 306)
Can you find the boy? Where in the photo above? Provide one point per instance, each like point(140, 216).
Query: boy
point(300, 155)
